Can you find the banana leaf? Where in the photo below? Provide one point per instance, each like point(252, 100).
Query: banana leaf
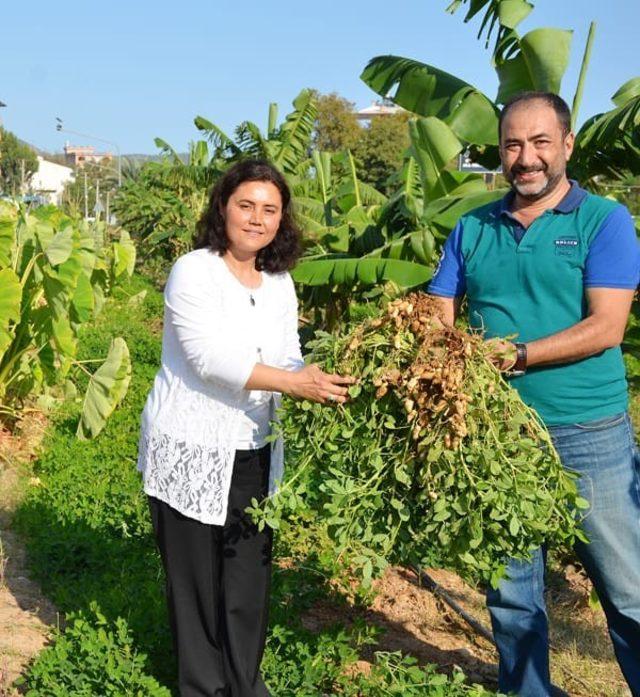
point(429, 91)
point(434, 146)
point(216, 136)
point(609, 144)
point(335, 271)
point(445, 212)
point(294, 135)
point(537, 61)
point(505, 14)
point(418, 245)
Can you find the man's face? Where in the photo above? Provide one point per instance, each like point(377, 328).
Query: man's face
point(534, 149)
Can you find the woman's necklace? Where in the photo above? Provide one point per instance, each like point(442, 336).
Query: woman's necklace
point(251, 289)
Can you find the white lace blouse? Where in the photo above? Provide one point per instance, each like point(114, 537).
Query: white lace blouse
point(193, 415)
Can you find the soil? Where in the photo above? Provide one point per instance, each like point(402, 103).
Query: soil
point(412, 619)
point(417, 622)
point(25, 614)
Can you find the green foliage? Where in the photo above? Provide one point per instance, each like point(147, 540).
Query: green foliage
point(381, 149)
point(608, 145)
point(55, 273)
point(336, 126)
point(500, 15)
point(631, 346)
point(88, 535)
point(162, 205)
point(101, 179)
point(428, 91)
point(392, 485)
point(18, 162)
point(536, 61)
point(92, 656)
point(394, 674)
point(378, 149)
point(107, 387)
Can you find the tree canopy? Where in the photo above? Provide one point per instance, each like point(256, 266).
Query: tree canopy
point(18, 162)
point(378, 148)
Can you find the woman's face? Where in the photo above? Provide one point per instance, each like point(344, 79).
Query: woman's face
point(252, 217)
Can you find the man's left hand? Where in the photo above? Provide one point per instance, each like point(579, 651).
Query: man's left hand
point(502, 354)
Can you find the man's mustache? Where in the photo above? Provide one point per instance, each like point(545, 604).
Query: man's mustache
point(519, 169)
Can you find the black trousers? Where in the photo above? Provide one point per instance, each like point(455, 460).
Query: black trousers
point(218, 579)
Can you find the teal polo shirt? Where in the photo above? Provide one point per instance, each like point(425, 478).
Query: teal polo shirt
point(526, 284)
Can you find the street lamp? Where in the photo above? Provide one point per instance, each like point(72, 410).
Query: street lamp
point(59, 127)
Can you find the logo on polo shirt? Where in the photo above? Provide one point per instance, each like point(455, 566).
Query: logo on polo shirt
point(566, 246)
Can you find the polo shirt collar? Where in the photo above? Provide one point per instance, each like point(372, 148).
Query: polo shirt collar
point(572, 199)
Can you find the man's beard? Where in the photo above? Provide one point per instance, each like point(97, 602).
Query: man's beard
point(551, 180)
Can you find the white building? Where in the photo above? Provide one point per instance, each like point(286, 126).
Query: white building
point(381, 107)
point(49, 180)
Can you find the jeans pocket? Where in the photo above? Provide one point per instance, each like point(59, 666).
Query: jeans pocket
point(586, 490)
point(599, 424)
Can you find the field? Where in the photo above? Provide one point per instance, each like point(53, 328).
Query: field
point(80, 511)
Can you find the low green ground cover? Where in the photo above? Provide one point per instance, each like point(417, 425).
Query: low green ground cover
point(89, 539)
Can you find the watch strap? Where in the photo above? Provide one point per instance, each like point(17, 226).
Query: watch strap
point(520, 366)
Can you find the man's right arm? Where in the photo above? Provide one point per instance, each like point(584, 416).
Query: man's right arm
point(448, 284)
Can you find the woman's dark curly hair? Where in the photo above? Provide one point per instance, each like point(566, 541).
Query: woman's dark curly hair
point(282, 253)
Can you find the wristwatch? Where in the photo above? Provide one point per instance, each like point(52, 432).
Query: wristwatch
point(520, 366)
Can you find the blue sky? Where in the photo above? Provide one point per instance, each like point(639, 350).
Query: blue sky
point(130, 71)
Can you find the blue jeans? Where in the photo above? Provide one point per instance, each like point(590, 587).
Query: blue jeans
point(603, 453)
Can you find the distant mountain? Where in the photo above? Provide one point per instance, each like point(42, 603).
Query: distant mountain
point(135, 158)
point(141, 158)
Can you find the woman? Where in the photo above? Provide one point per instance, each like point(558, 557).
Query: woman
point(230, 345)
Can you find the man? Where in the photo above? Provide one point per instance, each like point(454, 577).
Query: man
point(557, 267)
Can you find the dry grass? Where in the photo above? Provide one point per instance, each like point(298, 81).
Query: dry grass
point(582, 659)
point(3, 564)
point(22, 629)
point(5, 687)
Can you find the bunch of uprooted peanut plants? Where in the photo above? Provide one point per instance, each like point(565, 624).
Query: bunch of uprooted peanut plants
point(435, 460)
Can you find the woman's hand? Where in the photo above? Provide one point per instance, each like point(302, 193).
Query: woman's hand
point(309, 382)
point(314, 384)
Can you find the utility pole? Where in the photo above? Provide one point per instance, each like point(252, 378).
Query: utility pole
point(21, 177)
point(107, 211)
point(86, 197)
point(96, 208)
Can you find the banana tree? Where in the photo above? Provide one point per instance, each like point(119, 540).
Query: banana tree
point(360, 240)
point(499, 15)
point(54, 274)
point(609, 144)
point(286, 145)
point(341, 217)
point(163, 205)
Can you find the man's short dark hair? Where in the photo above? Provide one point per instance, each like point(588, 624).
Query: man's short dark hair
point(549, 98)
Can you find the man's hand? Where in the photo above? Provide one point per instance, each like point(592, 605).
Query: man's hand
point(502, 354)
